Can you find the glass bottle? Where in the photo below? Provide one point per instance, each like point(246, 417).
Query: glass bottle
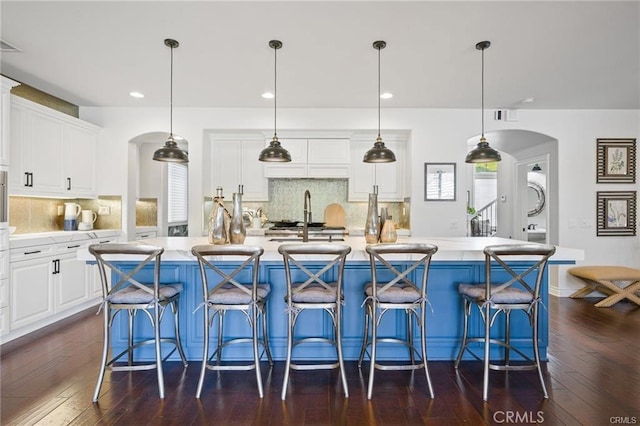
point(372, 226)
point(237, 231)
point(217, 228)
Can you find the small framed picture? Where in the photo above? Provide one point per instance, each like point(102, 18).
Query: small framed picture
point(616, 161)
point(616, 213)
point(439, 181)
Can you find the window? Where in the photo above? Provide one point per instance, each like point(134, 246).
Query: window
point(178, 193)
point(485, 186)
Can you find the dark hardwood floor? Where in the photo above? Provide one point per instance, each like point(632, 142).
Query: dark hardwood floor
point(593, 376)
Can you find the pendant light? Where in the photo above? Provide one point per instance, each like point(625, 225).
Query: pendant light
point(379, 153)
point(483, 153)
point(536, 168)
point(170, 152)
point(275, 152)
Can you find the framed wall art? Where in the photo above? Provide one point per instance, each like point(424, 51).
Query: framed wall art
point(616, 213)
point(439, 181)
point(616, 161)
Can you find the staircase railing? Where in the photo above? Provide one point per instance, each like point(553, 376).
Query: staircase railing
point(484, 222)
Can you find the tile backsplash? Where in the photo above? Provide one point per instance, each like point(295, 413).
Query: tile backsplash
point(147, 212)
point(31, 214)
point(286, 202)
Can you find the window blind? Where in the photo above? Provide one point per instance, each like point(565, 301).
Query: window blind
point(178, 193)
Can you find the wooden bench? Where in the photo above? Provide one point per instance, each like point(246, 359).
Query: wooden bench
point(601, 278)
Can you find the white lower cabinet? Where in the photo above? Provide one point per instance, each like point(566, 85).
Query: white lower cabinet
point(71, 281)
point(93, 275)
point(47, 283)
point(4, 306)
point(143, 235)
point(31, 289)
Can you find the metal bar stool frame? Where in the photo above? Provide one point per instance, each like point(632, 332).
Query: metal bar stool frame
point(490, 302)
point(375, 308)
point(253, 306)
point(294, 256)
point(153, 297)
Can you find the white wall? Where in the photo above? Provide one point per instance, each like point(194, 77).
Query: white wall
point(438, 135)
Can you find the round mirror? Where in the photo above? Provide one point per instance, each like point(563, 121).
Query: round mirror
point(535, 198)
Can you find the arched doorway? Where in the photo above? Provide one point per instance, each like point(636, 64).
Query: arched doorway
point(149, 180)
point(520, 150)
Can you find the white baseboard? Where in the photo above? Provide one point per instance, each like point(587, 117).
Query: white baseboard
point(30, 328)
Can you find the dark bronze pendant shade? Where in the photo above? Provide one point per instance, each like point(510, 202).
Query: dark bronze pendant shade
point(170, 152)
point(275, 152)
point(483, 153)
point(379, 153)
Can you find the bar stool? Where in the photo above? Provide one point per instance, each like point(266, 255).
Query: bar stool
point(398, 292)
point(234, 288)
point(316, 285)
point(505, 292)
point(132, 295)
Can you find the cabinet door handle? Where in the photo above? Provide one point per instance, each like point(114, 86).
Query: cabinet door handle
point(55, 266)
point(68, 184)
point(28, 181)
point(32, 252)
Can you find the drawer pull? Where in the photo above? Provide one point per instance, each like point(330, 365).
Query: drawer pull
point(76, 246)
point(32, 252)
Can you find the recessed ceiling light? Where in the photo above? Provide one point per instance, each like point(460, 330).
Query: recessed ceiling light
point(528, 100)
point(267, 95)
point(386, 95)
point(136, 95)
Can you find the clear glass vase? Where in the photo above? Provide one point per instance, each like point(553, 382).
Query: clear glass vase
point(217, 228)
point(372, 226)
point(237, 230)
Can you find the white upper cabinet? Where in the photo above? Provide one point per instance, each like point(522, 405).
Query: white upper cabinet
point(390, 177)
point(234, 162)
point(313, 158)
point(5, 107)
point(52, 154)
point(80, 154)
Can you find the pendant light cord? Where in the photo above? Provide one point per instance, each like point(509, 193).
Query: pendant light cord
point(378, 92)
point(275, 91)
point(482, 93)
point(171, 97)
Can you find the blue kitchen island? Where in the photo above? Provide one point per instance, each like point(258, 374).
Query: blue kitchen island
point(458, 259)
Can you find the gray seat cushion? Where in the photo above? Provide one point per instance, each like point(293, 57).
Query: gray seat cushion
point(398, 293)
point(229, 294)
point(314, 293)
point(508, 295)
point(135, 295)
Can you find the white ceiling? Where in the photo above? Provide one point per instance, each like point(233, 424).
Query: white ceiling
point(93, 53)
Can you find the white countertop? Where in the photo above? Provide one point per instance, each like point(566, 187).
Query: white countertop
point(449, 248)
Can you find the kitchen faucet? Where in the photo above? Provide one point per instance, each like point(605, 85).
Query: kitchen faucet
point(307, 216)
